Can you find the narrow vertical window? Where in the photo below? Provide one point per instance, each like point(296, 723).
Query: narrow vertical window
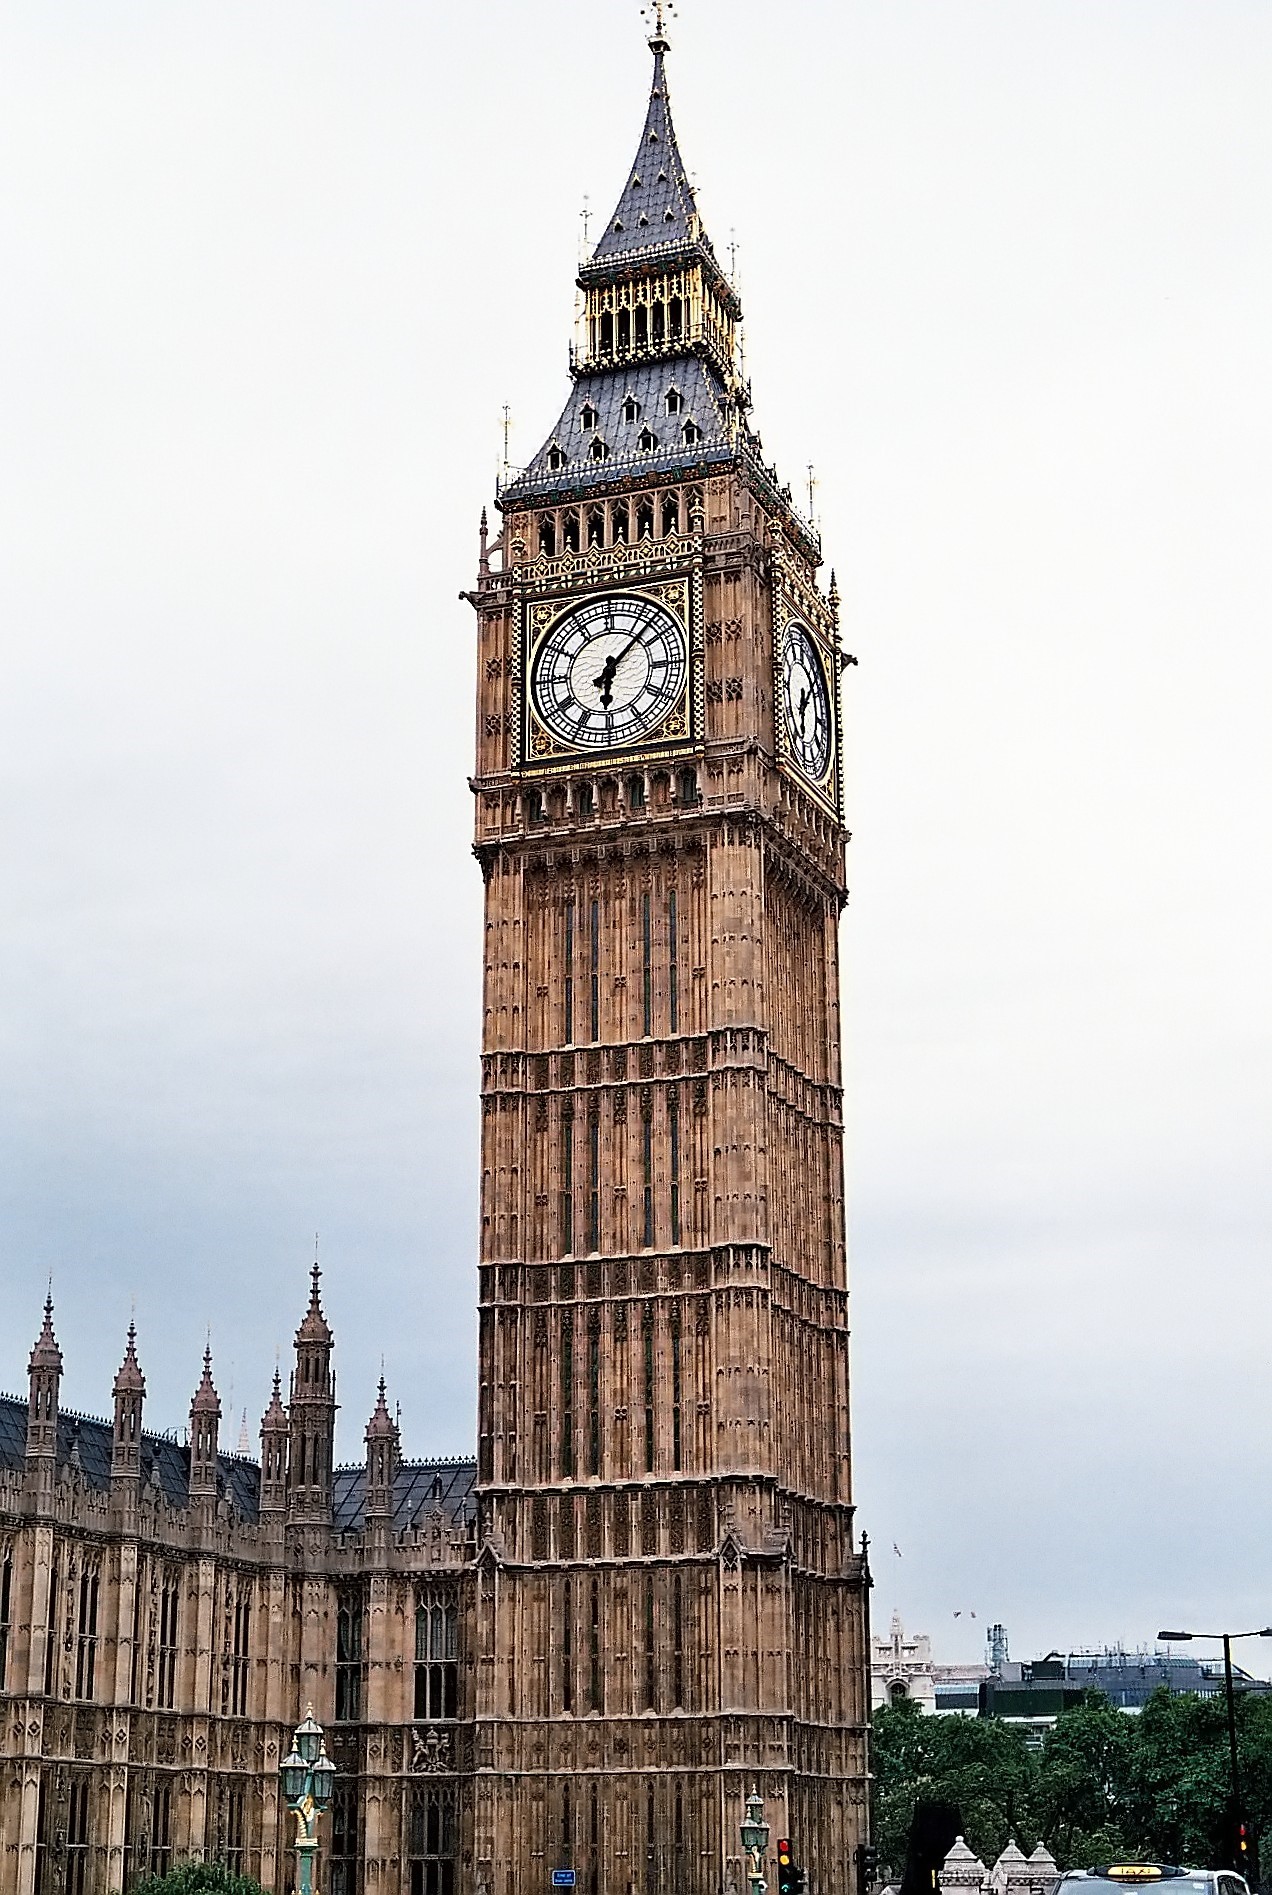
point(569, 973)
point(6, 1598)
point(647, 972)
point(675, 1388)
point(567, 1650)
point(677, 1641)
point(167, 1679)
point(567, 1391)
point(647, 1326)
point(593, 1184)
point(647, 1165)
point(135, 1667)
point(349, 1659)
point(673, 976)
point(594, 1650)
point(240, 1661)
point(673, 1123)
point(651, 1651)
point(430, 1843)
point(77, 1839)
point(161, 1829)
point(567, 1180)
point(594, 1401)
point(596, 970)
point(345, 1854)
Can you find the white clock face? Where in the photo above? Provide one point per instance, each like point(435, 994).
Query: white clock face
point(806, 701)
point(608, 671)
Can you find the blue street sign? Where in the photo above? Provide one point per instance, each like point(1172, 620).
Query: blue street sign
point(563, 1878)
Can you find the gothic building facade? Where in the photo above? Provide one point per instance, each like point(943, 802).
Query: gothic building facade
point(644, 1597)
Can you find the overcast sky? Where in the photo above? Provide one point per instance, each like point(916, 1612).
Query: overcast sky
point(271, 271)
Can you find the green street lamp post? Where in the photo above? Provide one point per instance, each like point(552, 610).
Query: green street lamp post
point(1238, 1840)
point(308, 1776)
point(755, 1835)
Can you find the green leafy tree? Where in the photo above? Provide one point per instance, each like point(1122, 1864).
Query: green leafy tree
point(981, 1766)
point(197, 1878)
point(1083, 1798)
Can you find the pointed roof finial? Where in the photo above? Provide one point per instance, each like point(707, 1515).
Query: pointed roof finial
point(381, 1422)
point(656, 13)
point(130, 1380)
point(275, 1416)
point(206, 1400)
point(314, 1327)
point(46, 1354)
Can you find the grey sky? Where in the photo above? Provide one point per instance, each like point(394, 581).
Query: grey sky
point(271, 272)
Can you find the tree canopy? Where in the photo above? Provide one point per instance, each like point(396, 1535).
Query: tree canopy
point(197, 1878)
point(1102, 1785)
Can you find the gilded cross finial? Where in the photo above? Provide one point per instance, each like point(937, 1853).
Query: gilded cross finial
point(656, 13)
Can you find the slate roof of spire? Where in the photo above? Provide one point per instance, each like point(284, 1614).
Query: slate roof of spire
point(130, 1379)
point(656, 208)
point(46, 1354)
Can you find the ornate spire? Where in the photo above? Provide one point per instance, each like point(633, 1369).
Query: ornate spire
point(380, 1427)
point(314, 1326)
point(206, 1400)
point(46, 1354)
point(656, 210)
point(275, 1416)
point(130, 1380)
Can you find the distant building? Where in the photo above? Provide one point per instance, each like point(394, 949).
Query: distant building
point(1035, 1693)
point(902, 1666)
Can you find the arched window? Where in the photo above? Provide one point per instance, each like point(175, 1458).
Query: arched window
point(636, 792)
point(607, 333)
point(556, 459)
point(624, 331)
point(692, 433)
point(619, 524)
point(436, 1658)
point(589, 418)
point(547, 535)
point(671, 514)
point(570, 531)
point(631, 409)
point(659, 323)
point(645, 520)
point(642, 315)
point(598, 449)
point(596, 526)
point(648, 441)
point(687, 787)
point(674, 315)
point(675, 401)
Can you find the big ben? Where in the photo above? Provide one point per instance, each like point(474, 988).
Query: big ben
point(670, 1607)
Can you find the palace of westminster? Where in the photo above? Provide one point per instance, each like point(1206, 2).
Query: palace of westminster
point(644, 1597)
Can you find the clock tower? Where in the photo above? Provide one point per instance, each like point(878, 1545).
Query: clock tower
point(670, 1604)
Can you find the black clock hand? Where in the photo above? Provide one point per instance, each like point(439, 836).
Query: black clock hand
point(609, 669)
point(804, 696)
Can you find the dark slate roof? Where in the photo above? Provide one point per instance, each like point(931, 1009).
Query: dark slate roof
point(165, 1463)
point(420, 1488)
point(606, 390)
point(656, 209)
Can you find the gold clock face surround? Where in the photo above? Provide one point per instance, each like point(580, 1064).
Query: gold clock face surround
point(806, 702)
point(609, 671)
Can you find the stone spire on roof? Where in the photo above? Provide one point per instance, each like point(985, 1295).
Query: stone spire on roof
point(206, 1400)
point(46, 1354)
point(275, 1415)
point(130, 1380)
point(314, 1326)
point(380, 1427)
point(656, 209)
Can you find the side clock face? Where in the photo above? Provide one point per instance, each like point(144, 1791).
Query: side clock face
point(608, 671)
point(806, 701)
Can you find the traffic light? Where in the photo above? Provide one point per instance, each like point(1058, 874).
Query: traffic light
point(867, 1867)
point(786, 1871)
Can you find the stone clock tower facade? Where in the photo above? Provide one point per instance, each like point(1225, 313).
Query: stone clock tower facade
point(670, 1606)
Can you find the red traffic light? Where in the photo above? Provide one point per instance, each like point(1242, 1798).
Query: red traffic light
point(783, 1850)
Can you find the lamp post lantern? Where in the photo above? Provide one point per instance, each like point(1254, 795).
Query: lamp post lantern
point(308, 1777)
point(1238, 1838)
point(755, 1835)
